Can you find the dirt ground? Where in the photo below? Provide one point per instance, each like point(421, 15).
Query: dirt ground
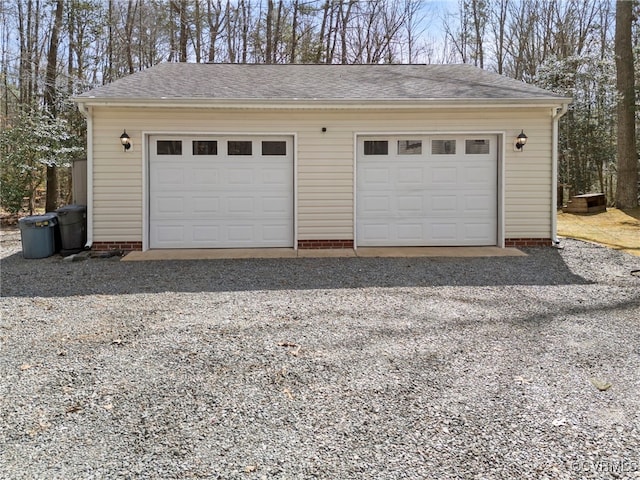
point(618, 229)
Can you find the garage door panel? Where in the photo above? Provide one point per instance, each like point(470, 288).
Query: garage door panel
point(204, 233)
point(409, 232)
point(218, 200)
point(444, 231)
point(378, 175)
point(410, 205)
point(170, 233)
point(170, 205)
point(240, 206)
point(169, 176)
point(205, 205)
point(444, 175)
point(376, 204)
point(479, 204)
point(423, 199)
point(444, 203)
point(478, 231)
point(275, 205)
point(278, 175)
point(240, 233)
point(478, 175)
point(376, 231)
point(239, 176)
point(206, 177)
point(410, 176)
point(275, 233)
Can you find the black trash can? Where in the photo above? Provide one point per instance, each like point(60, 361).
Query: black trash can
point(72, 220)
point(38, 235)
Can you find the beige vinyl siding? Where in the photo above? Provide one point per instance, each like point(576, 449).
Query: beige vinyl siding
point(324, 159)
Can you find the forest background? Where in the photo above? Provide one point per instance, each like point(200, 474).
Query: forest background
point(52, 50)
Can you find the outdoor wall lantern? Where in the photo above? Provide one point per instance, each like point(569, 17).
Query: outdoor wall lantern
point(521, 140)
point(125, 140)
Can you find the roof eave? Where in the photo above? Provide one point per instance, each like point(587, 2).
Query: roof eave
point(306, 103)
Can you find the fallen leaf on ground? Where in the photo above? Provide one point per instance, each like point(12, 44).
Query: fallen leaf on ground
point(295, 352)
point(295, 346)
point(601, 385)
point(522, 380)
point(74, 409)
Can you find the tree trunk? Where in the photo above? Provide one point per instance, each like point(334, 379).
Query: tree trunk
point(109, 73)
point(231, 32)
point(197, 23)
point(294, 32)
point(277, 37)
point(131, 14)
point(246, 19)
point(321, 37)
point(269, 26)
point(50, 101)
point(184, 29)
point(214, 17)
point(479, 19)
point(627, 189)
point(72, 47)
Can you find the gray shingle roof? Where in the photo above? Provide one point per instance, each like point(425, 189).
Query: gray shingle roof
point(249, 82)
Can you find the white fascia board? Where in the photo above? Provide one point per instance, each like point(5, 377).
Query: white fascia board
point(334, 104)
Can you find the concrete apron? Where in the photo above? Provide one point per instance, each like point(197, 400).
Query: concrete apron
point(389, 252)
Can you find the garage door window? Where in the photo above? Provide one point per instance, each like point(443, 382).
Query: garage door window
point(205, 147)
point(274, 148)
point(376, 147)
point(239, 147)
point(409, 147)
point(443, 147)
point(476, 147)
point(169, 147)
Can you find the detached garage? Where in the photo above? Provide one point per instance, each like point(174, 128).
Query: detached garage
point(319, 156)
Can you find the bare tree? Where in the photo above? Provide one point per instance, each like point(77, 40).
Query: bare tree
point(31, 51)
point(128, 34)
point(50, 100)
point(269, 34)
point(323, 28)
point(627, 189)
point(499, 20)
point(215, 20)
point(184, 30)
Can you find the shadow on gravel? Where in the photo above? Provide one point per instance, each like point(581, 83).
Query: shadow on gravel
point(52, 277)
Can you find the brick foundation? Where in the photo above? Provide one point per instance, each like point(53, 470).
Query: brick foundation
point(124, 246)
point(527, 242)
point(318, 244)
point(324, 244)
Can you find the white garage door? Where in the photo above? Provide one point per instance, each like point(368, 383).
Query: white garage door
point(427, 190)
point(220, 192)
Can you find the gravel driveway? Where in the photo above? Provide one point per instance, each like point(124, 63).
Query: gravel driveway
point(353, 368)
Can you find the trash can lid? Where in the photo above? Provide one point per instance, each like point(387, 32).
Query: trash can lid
point(39, 220)
point(72, 208)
